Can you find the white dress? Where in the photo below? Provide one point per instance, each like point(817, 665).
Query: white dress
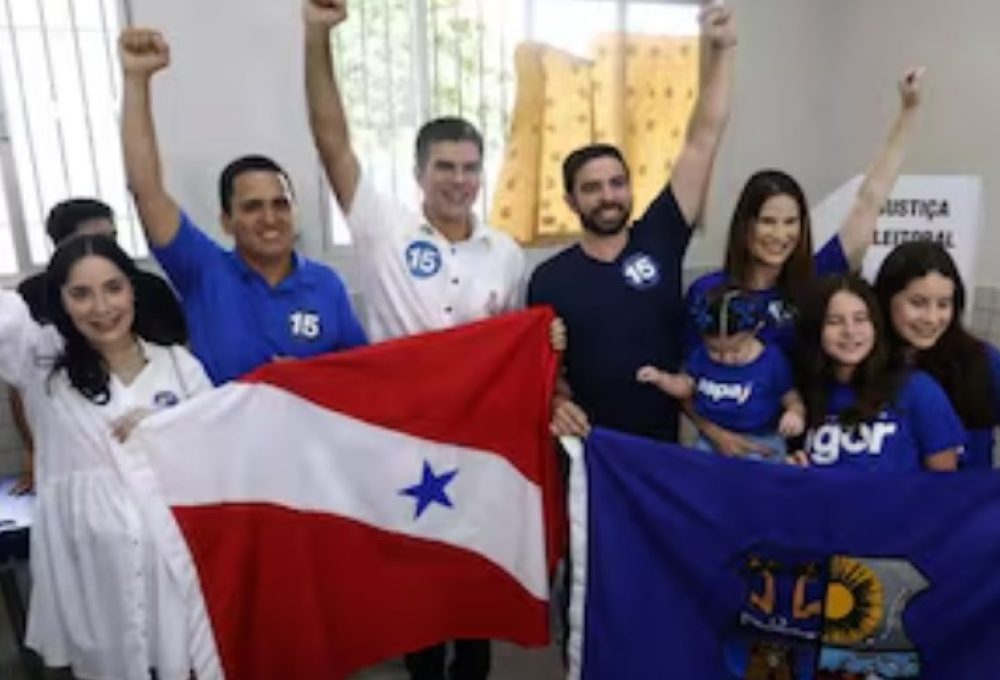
point(103, 600)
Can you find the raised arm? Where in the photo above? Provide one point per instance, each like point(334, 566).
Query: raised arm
point(144, 52)
point(326, 109)
point(693, 168)
point(858, 232)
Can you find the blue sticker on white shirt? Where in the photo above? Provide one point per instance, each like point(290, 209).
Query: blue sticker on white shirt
point(641, 271)
point(423, 259)
point(165, 399)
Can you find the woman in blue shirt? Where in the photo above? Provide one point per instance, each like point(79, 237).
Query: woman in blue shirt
point(922, 293)
point(770, 250)
point(863, 410)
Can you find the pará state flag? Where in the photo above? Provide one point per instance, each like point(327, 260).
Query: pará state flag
point(327, 514)
point(690, 565)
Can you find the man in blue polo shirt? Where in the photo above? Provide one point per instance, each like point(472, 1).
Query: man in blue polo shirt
point(247, 306)
point(619, 289)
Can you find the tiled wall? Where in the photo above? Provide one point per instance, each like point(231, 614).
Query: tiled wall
point(986, 314)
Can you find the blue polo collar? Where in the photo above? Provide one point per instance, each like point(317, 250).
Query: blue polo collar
point(301, 273)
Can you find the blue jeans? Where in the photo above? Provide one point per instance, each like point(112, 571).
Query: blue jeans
point(774, 442)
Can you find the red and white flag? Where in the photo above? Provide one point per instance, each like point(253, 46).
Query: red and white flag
point(324, 515)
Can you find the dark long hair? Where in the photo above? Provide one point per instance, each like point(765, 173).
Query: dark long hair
point(876, 379)
point(84, 365)
point(798, 270)
point(958, 360)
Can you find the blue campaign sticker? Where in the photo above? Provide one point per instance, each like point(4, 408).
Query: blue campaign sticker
point(165, 399)
point(641, 271)
point(423, 259)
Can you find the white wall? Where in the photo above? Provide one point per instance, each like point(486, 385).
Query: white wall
point(814, 96)
point(235, 86)
point(781, 108)
point(959, 127)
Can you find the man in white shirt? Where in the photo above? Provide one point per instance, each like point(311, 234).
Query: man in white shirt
point(420, 271)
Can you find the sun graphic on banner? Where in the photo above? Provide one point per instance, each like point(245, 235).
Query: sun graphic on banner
point(854, 602)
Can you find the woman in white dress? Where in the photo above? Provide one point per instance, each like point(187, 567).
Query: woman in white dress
point(103, 604)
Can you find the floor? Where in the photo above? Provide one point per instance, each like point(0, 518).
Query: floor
point(509, 662)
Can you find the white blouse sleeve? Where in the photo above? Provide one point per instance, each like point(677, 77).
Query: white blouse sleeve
point(26, 348)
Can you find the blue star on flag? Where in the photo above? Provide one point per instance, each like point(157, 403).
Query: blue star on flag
point(431, 489)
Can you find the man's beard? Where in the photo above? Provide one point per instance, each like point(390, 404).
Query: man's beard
point(605, 229)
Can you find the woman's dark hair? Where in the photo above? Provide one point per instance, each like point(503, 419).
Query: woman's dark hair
point(958, 360)
point(876, 379)
point(725, 310)
point(798, 270)
point(83, 364)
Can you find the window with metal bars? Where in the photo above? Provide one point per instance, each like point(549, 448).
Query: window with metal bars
point(59, 93)
point(401, 62)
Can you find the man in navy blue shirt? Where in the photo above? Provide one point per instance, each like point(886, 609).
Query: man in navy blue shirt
point(247, 306)
point(619, 289)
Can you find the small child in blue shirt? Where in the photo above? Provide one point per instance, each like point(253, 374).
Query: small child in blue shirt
point(734, 379)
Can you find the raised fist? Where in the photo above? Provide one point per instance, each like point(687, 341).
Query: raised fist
point(718, 26)
point(910, 87)
point(326, 13)
point(143, 51)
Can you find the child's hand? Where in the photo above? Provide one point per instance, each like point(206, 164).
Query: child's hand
point(122, 427)
point(798, 459)
point(568, 419)
point(677, 385)
point(647, 374)
point(792, 424)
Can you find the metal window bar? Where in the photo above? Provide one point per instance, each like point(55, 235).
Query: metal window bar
point(53, 93)
point(15, 198)
point(84, 96)
point(12, 197)
point(390, 91)
point(29, 166)
point(130, 220)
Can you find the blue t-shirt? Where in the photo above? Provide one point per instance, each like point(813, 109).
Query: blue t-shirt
point(978, 454)
point(745, 399)
point(238, 322)
point(919, 422)
point(779, 322)
point(620, 315)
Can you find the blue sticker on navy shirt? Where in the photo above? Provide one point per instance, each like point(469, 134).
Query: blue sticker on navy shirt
point(423, 259)
point(641, 271)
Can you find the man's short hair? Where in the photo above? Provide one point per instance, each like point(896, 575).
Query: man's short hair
point(445, 129)
point(252, 163)
point(66, 217)
point(580, 157)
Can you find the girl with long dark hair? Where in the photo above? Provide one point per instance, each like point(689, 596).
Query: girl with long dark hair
point(919, 287)
point(862, 410)
point(103, 603)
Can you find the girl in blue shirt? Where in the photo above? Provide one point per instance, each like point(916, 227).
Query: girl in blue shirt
point(922, 293)
point(864, 411)
point(734, 379)
point(770, 251)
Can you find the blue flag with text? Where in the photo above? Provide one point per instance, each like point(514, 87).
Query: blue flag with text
point(688, 565)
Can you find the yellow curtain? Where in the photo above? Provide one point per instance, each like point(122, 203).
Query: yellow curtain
point(637, 93)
